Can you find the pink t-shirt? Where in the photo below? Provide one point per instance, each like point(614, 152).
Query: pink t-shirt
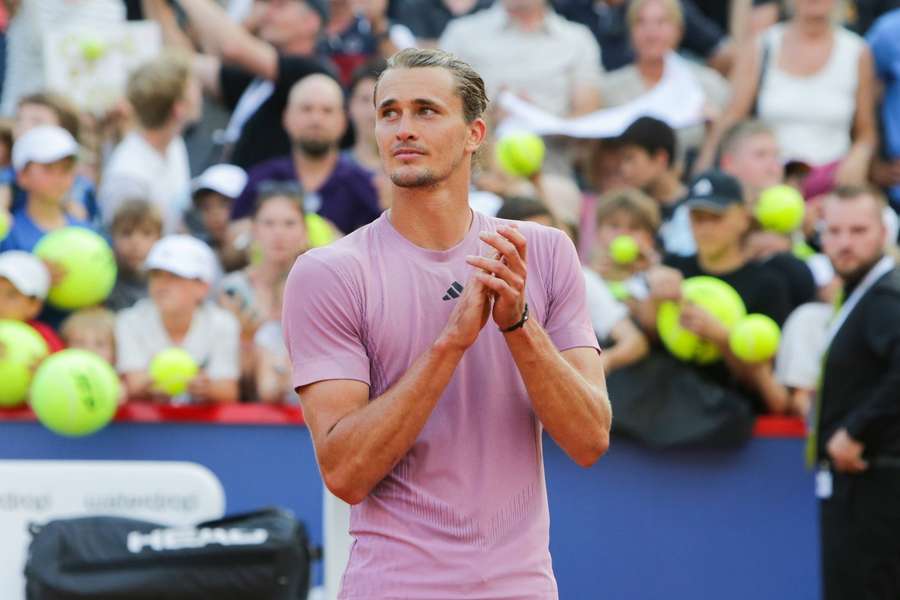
point(464, 514)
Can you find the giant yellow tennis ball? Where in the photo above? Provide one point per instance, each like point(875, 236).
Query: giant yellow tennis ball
point(4, 224)
point(319, 231)
point(89, 263)
point(92, 48)
point(21, 349)
point(713, 295)
point(624, 250)
point(520, 154)
point(75, 393)
point(755, 338)
point(172, 370)
point(780, 208)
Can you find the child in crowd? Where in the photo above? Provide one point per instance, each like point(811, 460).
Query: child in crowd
point(44, 160)
point(214, 192)
point(181, 269)
point(92, 329)
point(136, 226)
point(24, 283)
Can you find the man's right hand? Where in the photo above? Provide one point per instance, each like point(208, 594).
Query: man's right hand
point(468, 317)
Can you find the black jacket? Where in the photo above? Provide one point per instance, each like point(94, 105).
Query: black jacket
point(861, 382)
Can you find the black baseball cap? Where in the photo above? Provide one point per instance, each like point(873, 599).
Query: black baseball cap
point(652, 135)
point(715, 191)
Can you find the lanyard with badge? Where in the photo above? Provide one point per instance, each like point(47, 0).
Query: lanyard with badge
point(823, 474)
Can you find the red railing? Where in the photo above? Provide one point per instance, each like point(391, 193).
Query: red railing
point(267, 414)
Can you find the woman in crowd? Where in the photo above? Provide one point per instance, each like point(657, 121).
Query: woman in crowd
point(254, 293)
point(656, 27)
point(812, 81)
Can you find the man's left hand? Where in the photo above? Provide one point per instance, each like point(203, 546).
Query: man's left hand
point(504, 276)
point(846, 453)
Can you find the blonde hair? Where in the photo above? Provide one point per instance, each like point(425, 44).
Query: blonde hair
point(89, 319)
point(155, 87)
point(673, 7)
point(638, 205)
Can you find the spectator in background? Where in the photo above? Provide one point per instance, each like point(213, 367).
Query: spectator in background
point(719, 220)
point(333, 185)
point(749, 151)
point(524, 47)
point(181, 269)
point(855, 437)
point(251, 75)
point(92, 329)
point(44, 160)
point(884, 39)
point(647, 162)
point(807, 58)
point(135, 228)
point(47, 108)
point(152, 162)
point(24, 284)
point(656, 26)
point(361, 109)
point(214, 193)
point(622, 341)
point(254, 294)
point(359, 31)
point(427, 19)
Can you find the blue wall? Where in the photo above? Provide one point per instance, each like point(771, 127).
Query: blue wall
point(698, 524)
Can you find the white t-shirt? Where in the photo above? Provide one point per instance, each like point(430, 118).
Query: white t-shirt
point(604, 309)
point(135, 170)
point(213, 339)
point(803, 343)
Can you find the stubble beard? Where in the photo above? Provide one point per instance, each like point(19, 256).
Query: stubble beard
point(314, 148)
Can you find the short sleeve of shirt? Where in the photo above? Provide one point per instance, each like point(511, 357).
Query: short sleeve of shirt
point(131, 355)
point(323, 324)
point(568, 320)
point(224, 358)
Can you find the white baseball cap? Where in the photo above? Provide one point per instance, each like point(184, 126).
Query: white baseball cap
point(44, 144)
point(228, 180)
point(183, 255)
point(27, 272)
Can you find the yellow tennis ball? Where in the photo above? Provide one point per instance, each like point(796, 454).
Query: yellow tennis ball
point(172, 370)
point(75, 393)
point(4, 224)
point(89, 263)
point(21, 349)
point(780, 208)
point(92, 48)
point(713, 295)
point(755, 338)
point(520, 154)
point(319, 231)
point(624, 249)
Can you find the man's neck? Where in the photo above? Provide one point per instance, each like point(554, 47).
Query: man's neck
point(434, 218)
point(529, 19)
point(159, 139)
point(666, 189)
point(46, 213)
point(730, 259)
point(851, 281)
point(313, 171)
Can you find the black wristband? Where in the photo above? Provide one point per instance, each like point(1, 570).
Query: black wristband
point(520, 323)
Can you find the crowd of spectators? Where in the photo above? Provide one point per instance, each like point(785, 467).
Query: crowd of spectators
point(249, 139)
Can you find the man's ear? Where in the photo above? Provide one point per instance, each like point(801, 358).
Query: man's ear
point(477, 134)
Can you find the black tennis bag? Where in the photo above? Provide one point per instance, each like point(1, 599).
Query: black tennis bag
point(263, 555)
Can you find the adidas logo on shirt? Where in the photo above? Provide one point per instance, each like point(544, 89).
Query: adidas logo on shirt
point(453, 291)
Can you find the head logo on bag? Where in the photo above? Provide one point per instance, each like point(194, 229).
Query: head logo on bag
point(163, 540)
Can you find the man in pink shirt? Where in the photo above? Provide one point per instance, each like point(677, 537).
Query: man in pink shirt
point(424, 416)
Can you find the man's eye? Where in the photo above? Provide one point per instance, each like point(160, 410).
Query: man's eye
point(389, 113)
point(427, 111)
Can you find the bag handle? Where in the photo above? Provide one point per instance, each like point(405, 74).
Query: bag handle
point(269, 511)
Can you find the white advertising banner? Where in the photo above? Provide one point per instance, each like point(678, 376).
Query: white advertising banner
point(37, 491)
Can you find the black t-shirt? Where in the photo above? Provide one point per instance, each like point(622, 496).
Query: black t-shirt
point(427, 19)
point(762, 288)
point(263, 136)
point(800, 281)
